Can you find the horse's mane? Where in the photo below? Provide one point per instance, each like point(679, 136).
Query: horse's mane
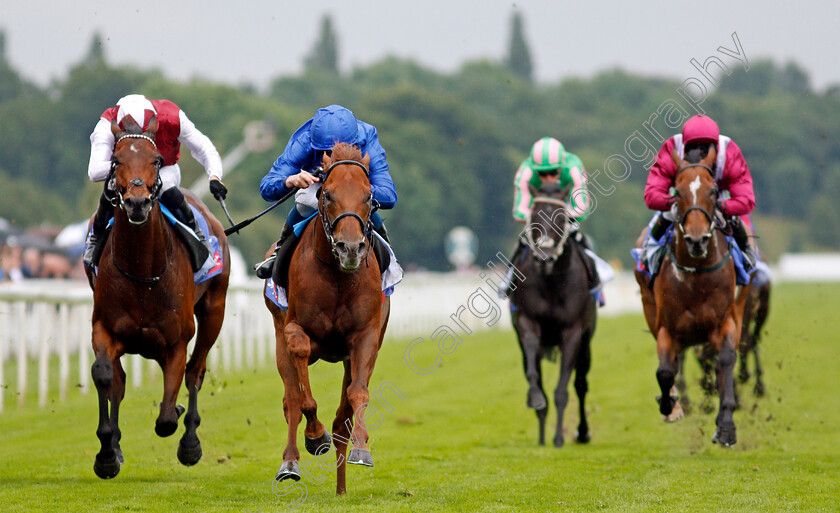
point(344, 151)
point(550, 188)
point(695, 152)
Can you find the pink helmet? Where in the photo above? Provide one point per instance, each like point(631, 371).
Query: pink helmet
point(700, 128)
point(136, 107)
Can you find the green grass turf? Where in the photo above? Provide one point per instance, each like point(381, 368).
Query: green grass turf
point(463, 440)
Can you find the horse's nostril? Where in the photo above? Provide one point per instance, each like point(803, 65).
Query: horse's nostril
point(340, 246)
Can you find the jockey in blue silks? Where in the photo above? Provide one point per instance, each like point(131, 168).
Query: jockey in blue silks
point(303, 155)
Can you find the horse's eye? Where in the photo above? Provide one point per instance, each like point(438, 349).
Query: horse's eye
point(159, 162)
point(327, 196)
point(369, 198)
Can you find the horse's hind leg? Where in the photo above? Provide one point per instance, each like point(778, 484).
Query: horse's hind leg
point(725, 432)
point(568, 359)
point(210, 316)
point(584, 361)
point(172, 364)
point(343, 433)
point(106, 378)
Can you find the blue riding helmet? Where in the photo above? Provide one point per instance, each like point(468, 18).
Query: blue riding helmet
point(332, 125)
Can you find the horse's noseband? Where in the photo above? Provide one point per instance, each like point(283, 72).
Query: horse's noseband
point(330, 225)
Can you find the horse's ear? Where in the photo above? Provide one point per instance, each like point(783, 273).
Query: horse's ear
point(153, 127)
point(711, 157)
point(566, 190)
point(325, 161)
point(533, 190)
point(676, 158)
point(115, 129)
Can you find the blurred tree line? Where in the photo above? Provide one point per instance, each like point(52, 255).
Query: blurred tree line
point(453, 141)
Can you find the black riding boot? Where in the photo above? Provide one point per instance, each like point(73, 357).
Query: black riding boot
point(511, 275)
point(593, 280)
point(383, 232)
point(264, 268)
point(660, 227)
point(174, 200)
point(742, 238)
point(99, 228)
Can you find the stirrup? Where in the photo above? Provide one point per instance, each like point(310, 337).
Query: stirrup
point(264, 268)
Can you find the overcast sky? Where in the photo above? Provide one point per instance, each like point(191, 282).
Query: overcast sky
point(254, 41)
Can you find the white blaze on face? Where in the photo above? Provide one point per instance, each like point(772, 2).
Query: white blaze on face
point(693, 186)
point(135, 150)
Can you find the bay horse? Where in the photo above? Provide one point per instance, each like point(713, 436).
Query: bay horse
point(553, 310)
point(694, 299)
point(144, 300)
point(337, 313)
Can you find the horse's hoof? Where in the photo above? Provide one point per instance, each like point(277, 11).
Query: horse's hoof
point(288, 470)
point(675, 415)
point(360, 457)
point(536, 400)
point(582, 438)
point(119, 454)
point(725, 435)
point(559, 442)
point(106, 469)
point(165, 428)
point(189, 455)
point(320, 445)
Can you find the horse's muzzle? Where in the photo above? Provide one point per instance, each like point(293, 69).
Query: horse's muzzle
point(350, 255)
point(137, 209)
point(698, 247)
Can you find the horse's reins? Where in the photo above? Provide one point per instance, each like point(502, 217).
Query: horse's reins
point(154, 192)
point(712, 227)
point(558, 245)
point(330, 225)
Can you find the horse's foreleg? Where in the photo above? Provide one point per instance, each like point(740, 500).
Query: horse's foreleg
point(298, 345)
point(584, 361)
point(568, 360)
point(116, 396)
point(103, 372)
point(290, 468)
point(173, 365)
point(343, 433)
point(363, 349)
point(725, 433)
point(528, 333)
point(666, 376)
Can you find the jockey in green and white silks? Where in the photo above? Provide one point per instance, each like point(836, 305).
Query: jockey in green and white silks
point(548, 161)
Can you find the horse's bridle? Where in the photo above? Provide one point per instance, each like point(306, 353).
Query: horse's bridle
point(705, 212)
point(564, 230)
point(712, 227)
point(330, 225)
point(154, 190)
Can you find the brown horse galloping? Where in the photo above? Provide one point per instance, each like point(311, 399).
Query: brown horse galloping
point(336, 313)
point(144, 300)
point(694, 299)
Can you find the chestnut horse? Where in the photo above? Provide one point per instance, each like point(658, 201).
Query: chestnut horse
point(336, 313)
point(694, 299)
point(553, 310)
point(144, 300)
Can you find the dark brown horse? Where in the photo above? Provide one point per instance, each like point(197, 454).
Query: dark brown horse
point(144, 300)
point(755, 315)
point(694, 299)
point(336, 313)
point(553, 310)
